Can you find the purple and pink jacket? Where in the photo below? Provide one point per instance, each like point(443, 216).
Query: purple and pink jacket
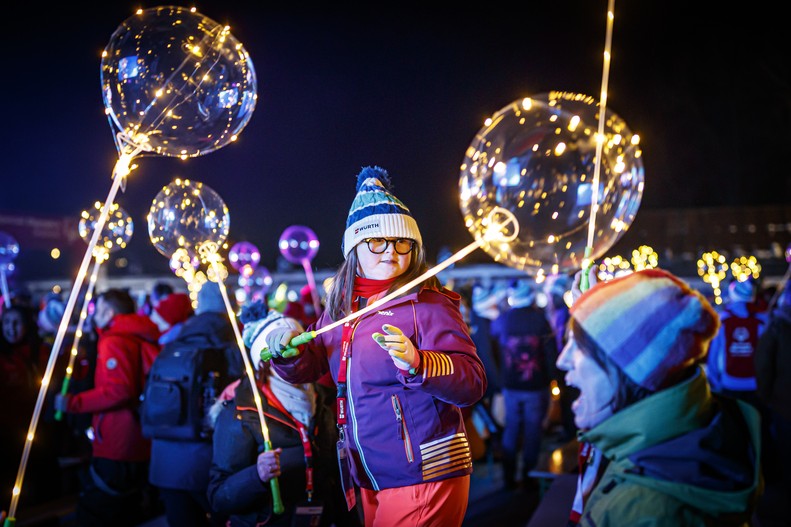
point(401, 430)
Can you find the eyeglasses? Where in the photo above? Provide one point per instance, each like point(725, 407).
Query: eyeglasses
point(379, 245)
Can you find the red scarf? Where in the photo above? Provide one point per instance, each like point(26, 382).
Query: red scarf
point(368, 287)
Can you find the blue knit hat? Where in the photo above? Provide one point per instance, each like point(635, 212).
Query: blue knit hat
point(376, 212)
point(210, 299)
point(522, 293)
point(742, 291)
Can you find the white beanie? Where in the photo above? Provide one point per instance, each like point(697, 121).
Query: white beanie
point(376, 213)
point(259, 321)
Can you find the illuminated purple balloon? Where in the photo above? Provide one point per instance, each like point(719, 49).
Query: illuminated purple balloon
point(244, 254)
point(9, 248)
point(260, 280)
point(788, 253)
point(298, 243)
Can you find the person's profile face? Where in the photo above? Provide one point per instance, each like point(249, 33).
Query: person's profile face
point(597, 390)
point(13, 327)
point(103, 313)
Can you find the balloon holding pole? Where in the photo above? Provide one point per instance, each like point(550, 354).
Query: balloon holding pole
point(501, 227)
point(209, 255)
point(116, 233)
point(120, 172)
point(157, 104)
point(64, 389)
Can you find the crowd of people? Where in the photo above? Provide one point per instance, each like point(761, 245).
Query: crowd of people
point(370, 412)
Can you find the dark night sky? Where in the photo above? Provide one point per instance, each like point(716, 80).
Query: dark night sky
point(405, 88)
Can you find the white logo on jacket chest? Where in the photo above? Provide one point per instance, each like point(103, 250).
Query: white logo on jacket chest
point(385, 313)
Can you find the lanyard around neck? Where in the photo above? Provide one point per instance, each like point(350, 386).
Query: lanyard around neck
point(303, 435)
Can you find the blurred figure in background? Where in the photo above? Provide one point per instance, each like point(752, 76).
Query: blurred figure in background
point(179, 468)
point(303, 309)
point(115, 493)
point(731, 361)
point(23, 358)
point(526, 343)
point(556, 288)
point(49, 316)
point(773, 376)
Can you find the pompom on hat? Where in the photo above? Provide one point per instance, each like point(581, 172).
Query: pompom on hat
point(376, 212)
point(649, 323)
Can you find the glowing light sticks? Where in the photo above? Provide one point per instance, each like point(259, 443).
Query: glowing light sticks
point(174, 83)
point(116, 234)
point(208, 252)
point(498, 221)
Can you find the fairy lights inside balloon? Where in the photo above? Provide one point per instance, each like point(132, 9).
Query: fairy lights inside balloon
point(535, 158)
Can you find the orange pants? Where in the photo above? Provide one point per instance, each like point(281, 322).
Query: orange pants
point(435, 504)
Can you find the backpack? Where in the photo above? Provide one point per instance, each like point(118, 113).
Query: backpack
point(741, 339)
point(182, 385)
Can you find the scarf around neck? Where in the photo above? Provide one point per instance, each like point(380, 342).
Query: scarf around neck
point(368, 287)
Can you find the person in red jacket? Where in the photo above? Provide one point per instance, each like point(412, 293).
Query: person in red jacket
point(113, 492)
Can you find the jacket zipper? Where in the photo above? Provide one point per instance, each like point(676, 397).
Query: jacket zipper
point(352, 417)
point(403, 431)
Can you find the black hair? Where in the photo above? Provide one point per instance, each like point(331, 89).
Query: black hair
point(32, 336)
point(161, 290)
point(120, 300)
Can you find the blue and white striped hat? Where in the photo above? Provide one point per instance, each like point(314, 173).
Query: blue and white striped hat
point(376, 212)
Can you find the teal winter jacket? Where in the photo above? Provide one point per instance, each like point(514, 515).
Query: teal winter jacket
point(681, 457)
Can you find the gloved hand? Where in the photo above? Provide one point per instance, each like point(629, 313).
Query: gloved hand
point(399, 347)
point(268, 464)
point(62, 402)
point(278, 338)
point(576, 292)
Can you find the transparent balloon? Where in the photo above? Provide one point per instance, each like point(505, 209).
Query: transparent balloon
point(536, 158)
point(244, 256)
point(188, 217)
point(9, 248)
point(298, 244)
point(116, 232)
point(176, 83)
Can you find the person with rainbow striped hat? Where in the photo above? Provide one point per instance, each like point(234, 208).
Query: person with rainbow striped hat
point(658, 446)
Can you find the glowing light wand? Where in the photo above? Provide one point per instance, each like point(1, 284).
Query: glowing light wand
point(584, 281)
point(120, 172)
point(209, 254)
point(64, 389)
point(495, 232)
